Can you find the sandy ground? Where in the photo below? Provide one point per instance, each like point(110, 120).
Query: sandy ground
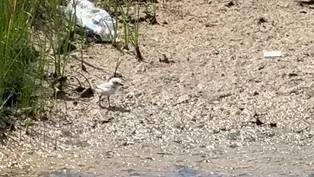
point(219, 106)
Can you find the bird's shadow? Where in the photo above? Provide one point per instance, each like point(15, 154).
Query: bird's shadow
point(115, 108)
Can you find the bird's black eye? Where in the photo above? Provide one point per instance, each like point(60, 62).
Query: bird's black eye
point(117, 83)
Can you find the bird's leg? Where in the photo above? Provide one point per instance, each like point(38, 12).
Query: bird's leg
point(99, 100)
point(108, 99)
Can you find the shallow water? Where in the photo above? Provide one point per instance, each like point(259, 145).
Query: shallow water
point(181, 172)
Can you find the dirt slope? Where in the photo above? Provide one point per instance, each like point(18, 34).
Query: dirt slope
point(200, 110)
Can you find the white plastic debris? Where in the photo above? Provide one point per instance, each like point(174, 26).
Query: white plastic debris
point(86, 15)
point(272, 54)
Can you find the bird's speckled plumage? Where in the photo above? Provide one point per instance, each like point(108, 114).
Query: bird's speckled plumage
point(108, 88)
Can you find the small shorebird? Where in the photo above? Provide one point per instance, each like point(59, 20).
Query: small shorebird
point(108, 88)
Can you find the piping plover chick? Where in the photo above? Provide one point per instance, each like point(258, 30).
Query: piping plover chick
point(108, 88)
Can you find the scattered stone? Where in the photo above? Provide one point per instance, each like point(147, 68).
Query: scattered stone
point(230, 4)
point(149, 158)
point(127, 143)
point(258, 122)
point(216, 131)
point(292, 75)
point(255, 93)
point(109, 154)
point(233, 145)
point(105, 121)
point(261, 20)
point(93, 124)
point(164, 153)
point(165, 59)
point(2, 156)
point(233, 135)
point(273, 125)
point(75, 103)
point(182, 99)
point(306, 3)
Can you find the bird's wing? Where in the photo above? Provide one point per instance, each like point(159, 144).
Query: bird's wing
point(104, 87)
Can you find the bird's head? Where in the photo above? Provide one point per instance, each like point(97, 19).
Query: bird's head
point(116, 82)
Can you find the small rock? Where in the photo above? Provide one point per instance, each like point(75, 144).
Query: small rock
point(261, 20)
point(234, 134)
point(92, 124)
point(164, 153)
point(273, 125)
point(204, 161)
point(75, 103)
point(109, 154)
point(183, 99)
point(178, 141)
point(255, 93)
point(292, 75)
point(230, 4)
point(14, 163)
point(165, 59)
point(106, 120)
point(250, 139)
point(1, 155)
point(216, 131)
point(149, 158)
point(127, 143)
point(233, 145)
point(76, 155)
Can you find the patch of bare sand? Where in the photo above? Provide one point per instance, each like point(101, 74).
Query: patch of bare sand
point(201, 110)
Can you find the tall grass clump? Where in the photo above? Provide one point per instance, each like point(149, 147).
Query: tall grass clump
point(127, 12)
point(16, 54)
point(17, 86)
point(136, 35)
point(24, 57)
